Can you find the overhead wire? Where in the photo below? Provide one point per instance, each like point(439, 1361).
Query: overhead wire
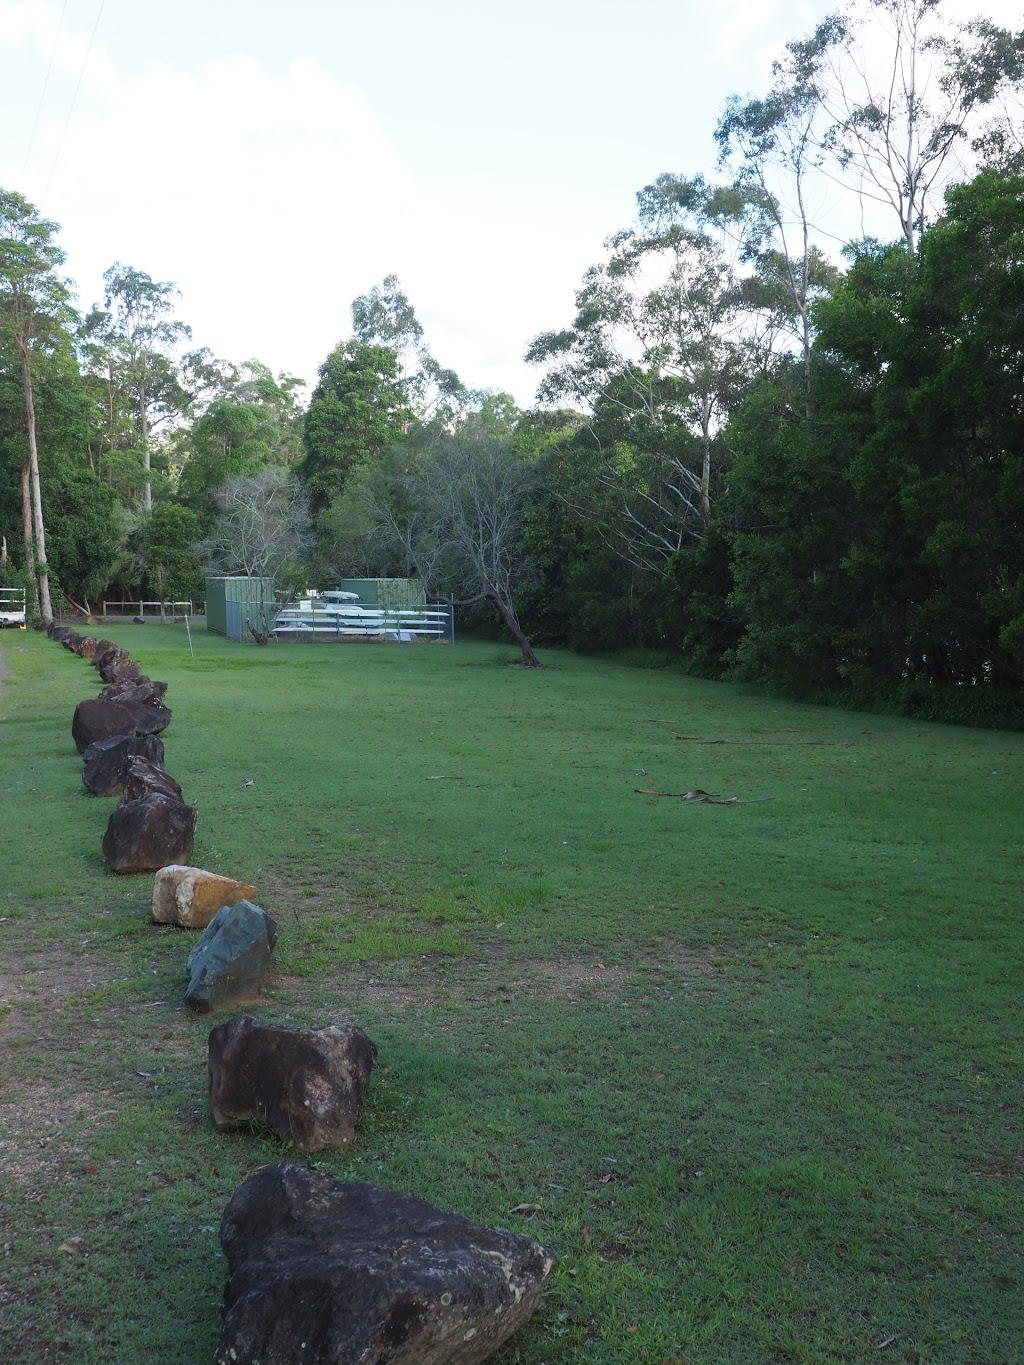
point(74, 97)
point(46, 83)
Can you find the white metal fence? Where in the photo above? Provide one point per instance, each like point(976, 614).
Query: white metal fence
point(138, 608)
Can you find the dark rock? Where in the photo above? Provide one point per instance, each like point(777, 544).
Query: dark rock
point(86, 647)
point(114, 668)
point(232, 957)
point(106, 758)
point(138, 691)
point(138, 620)
point(332, 1273)
point(306, 1085)
point(147, 834)
point(142, 777)
point(61, 633)
point(71, 640)
point(103, 648)
point(151, 719)
point(97, 719)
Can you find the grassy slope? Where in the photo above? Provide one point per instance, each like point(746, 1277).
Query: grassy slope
point(759, 1065)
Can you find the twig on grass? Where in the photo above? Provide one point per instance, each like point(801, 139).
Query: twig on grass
point(764, 743)
point(706, 798)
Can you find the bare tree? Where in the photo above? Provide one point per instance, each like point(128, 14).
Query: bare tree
point(900, 95)
point(474, 490)
point(775, 142)
point(262, 532)
point(662, 336)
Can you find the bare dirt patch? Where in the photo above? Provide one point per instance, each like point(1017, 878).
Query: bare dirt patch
point(435, 978)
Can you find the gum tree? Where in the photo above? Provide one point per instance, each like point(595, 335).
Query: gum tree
point(34, 308)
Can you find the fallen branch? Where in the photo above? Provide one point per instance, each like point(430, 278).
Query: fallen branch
point(764, 743)
point(706, 798)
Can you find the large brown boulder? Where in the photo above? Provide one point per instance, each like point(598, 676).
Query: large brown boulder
point(306, 1085)
point(142, 777)
point(140, 691)
point(114, 668)
point(97, 719)
point(105, 761)
point(333, 1273)
point(190, 896)
point(149, 833)
point(103, 649)
point(86, 646)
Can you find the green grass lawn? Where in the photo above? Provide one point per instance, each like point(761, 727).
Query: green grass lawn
point(758, 1065)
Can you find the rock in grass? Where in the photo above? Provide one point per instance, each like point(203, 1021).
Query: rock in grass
point(306, 1085)
point(135, 691)
point(97, 719)
point(142, 777)
point(332, 1273)
point(105, 761)
point(190, 896)
point(149, 833)
point(117, 669)
point(103, 648)
point(231, 959)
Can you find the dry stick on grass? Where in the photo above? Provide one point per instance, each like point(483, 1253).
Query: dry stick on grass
point(764, 743)
point(706, 798)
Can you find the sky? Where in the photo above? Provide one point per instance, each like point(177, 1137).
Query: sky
point(277, 158)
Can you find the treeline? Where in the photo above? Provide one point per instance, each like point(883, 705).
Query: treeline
point(751, 454)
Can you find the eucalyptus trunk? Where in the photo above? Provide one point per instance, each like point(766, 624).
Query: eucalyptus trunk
point(41, 570)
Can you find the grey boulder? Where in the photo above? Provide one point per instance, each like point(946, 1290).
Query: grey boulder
point(231, 959)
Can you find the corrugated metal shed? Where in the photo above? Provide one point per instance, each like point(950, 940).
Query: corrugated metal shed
point(230, 602)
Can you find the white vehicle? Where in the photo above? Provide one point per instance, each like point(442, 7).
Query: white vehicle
point(12, 607)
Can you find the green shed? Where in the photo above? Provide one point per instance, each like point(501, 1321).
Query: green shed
point(231, 602)
point(393, 594)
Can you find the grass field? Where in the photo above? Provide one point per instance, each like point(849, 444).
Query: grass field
point(757, 1066)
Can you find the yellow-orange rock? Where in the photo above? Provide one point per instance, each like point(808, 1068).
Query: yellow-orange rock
point(190, 897)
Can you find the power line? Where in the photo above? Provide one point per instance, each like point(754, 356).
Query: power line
point(74, 97)
point(46, 82)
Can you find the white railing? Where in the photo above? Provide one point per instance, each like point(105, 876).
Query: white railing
point(336, 621)
point(161, 608)
point(12, 606)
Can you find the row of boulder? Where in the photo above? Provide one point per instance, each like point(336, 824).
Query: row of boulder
point(118, 734)
point(320, 1270)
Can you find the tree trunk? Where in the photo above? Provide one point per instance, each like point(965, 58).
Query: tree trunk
point(511, 624)
point(30, 554)
point(45, 609)
point(144, 428)
point(37, 498)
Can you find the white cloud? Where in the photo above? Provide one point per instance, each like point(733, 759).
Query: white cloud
point(272, 200)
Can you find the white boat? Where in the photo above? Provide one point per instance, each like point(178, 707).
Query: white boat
point(336, 613)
